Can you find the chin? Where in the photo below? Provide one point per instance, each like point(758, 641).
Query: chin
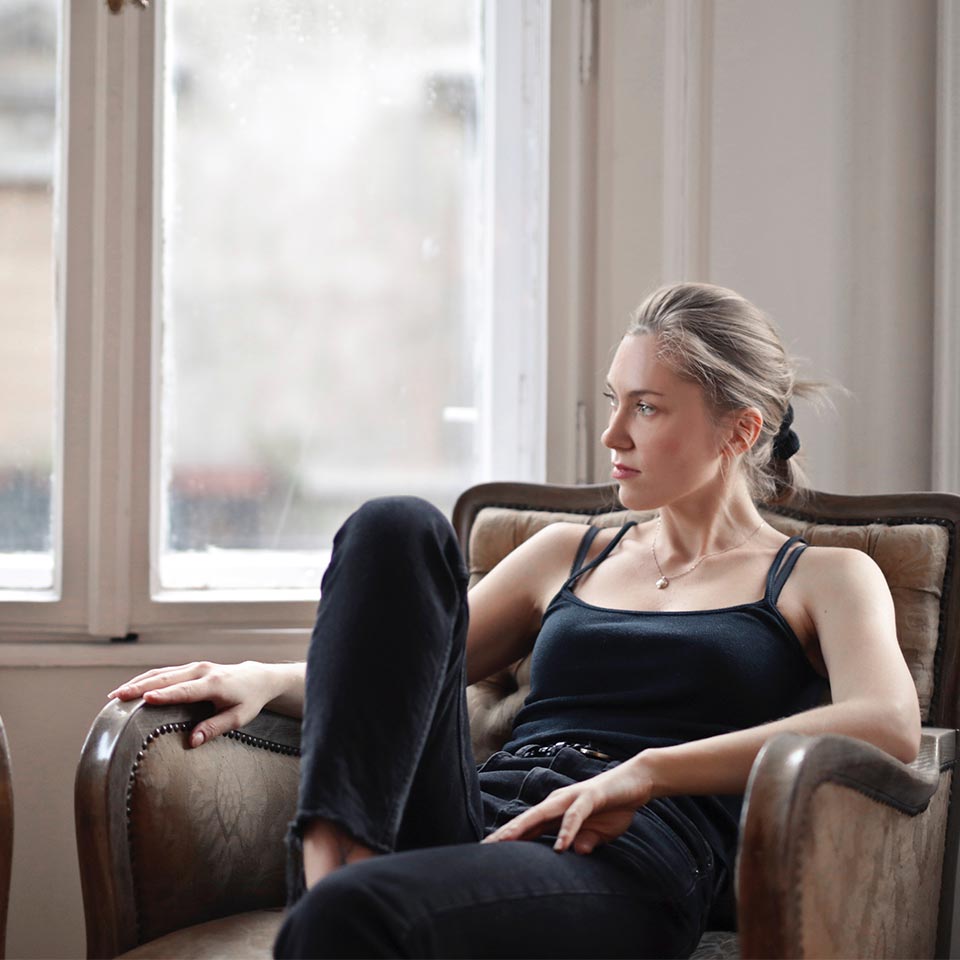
point(635, 500)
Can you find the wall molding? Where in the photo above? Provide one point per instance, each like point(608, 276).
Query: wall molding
point(571, 239)
point(688, 42)
point(946, 328)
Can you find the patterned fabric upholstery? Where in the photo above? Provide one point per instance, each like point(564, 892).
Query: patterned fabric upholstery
point(717, 945)
point(223, 806)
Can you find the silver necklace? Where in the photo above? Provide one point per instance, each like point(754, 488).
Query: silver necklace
point(663, 582)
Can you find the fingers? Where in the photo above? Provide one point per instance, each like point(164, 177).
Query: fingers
point(186, 691)
point(531, 823)
point(215, 726)
point(158, 678)
point(586, 842)
point(572, 820)
point(558, 806)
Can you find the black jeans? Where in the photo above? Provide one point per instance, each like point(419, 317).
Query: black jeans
point(387, 756)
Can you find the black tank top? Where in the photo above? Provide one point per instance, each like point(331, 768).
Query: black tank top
point(631, 679)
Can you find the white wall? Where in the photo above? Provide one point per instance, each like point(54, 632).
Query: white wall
point(46, 712)
point(811, 127)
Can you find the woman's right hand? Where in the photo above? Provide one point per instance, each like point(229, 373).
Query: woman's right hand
point(239, 691)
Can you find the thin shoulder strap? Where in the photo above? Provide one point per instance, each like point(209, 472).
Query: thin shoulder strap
point(782, 567)
point(585, 542)
point(578, 570)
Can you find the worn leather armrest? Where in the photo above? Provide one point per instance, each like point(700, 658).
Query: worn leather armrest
point(821, 811)
point(133, 895)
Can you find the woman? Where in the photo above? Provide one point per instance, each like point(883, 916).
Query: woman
point(664, 655)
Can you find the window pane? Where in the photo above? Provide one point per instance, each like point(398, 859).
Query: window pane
point(321, 268)
point(28, 134)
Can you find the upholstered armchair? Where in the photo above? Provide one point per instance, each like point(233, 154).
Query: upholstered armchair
point(6, 836)
point(844, 851)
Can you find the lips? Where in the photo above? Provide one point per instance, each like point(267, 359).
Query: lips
point(619, 472)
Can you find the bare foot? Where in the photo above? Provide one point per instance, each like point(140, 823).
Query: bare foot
point(327, 847)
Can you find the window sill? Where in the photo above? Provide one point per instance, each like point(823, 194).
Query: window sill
point(168, 648)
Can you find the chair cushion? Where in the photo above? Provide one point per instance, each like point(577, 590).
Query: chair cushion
point(244, 936)
point(717, 945)
point(250, 936)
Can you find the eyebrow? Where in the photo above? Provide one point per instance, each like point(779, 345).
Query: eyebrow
point(636, 393)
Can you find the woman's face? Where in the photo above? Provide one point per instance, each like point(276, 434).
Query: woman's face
point(664, 445)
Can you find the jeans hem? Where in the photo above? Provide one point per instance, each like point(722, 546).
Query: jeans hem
point(295, 879)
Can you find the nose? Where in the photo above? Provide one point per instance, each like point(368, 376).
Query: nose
point(616, 437)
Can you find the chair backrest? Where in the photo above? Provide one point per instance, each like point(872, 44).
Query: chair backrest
point(6, 835)
point(169, 836)
point(913, 538)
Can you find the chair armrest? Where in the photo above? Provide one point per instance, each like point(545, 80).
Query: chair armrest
point(156, 820)
point(836, 832)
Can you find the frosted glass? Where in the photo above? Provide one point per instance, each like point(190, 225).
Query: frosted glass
point(321, 271)
point(29, 37)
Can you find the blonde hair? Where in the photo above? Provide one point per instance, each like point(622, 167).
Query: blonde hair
point(714, 337)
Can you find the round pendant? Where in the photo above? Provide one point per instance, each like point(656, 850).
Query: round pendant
point(662, 583)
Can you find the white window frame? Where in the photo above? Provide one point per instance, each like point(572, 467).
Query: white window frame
point(105, 512)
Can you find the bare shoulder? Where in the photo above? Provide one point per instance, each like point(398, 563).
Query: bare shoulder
point(556, 543)
point(506, 605)
point(841, 568)
point(549, 553)
point(539, 559)
point(830, 578)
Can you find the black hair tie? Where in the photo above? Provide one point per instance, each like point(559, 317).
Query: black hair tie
point(786, 443)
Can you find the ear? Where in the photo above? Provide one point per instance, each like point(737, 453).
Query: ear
point(742, 430)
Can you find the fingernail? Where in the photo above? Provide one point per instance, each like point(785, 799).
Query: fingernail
point(197, 738)
point(558, 844)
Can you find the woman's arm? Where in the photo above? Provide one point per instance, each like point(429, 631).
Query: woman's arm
point(506, 606)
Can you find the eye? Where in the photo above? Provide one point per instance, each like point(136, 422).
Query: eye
point(644, 409)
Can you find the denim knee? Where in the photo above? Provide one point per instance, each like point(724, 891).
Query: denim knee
point(342, 916)
point(402, 532)
point(397, 515)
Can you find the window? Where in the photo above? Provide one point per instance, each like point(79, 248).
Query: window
point(286, 253)
point(29, 32)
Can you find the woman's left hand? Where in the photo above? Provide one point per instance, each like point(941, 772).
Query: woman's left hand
point(590, 812)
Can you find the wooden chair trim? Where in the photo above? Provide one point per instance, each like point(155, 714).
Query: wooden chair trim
point(115, 746)
point(6, 835)
point(787, 772)
point(588, 499)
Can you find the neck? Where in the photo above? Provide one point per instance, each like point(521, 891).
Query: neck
point(693, 529)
